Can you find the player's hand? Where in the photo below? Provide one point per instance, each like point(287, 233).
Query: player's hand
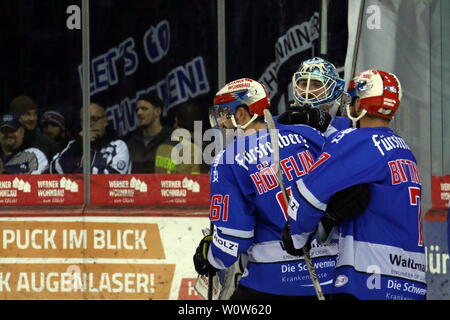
point(348, 203)
point(313, 117)
point(288, 244)
point(201, 263)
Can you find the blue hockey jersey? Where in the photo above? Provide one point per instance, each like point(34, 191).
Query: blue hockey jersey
point(248, 211)
point(381, 252)
point(337, 124)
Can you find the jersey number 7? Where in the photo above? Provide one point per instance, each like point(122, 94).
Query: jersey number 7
point(281, 203)
point(414, 200)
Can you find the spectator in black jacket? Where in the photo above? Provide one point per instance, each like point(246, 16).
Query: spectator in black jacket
point(144, 141)
point(108, 153)
point(53, 126)
point(15, 158)
point(27, 110)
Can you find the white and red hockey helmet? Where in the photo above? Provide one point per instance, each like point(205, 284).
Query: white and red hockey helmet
point(241, 92)
point(380, 93)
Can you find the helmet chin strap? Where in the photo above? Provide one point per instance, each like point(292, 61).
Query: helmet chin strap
point(243, 127)
point(355, 120)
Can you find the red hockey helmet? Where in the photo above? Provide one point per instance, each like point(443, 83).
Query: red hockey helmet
point(380, 93)
point(237, 93)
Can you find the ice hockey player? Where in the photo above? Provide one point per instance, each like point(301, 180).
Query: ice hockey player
point(246, 207)
point(381, 250)
point(316, 85)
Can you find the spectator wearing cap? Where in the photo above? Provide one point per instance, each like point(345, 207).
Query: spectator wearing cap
point(27, 111)
point(151, 133)
point(53, 126)
point(15, 158)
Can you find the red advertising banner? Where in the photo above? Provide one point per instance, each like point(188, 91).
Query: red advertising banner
point(187, 290)
point(440, 192)
point(42, 189)
point(153, 189)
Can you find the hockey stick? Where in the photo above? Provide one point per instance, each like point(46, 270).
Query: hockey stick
point(357, 38)
point(276, 159)
point(210, 273)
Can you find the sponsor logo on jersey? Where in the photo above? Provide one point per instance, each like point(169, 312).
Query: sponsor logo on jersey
point(341, 280)
point(342, 134)
point(293, 208)
point(383, 143)
point(227, 246)
point(215, 175)
point(263, 149)
point(407, 262)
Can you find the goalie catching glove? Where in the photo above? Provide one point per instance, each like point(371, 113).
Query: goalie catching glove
point(312, 117)
point(201, 263)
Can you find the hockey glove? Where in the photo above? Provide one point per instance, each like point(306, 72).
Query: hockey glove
point(288, 244)
point(312, 117)
point(201, 263)
point(347, 203)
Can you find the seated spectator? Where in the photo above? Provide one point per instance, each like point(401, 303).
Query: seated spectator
point(15, 158)
point(185, 116)
point(108, 153)
point(53, 127)
point(27, 110)
point(144, 141)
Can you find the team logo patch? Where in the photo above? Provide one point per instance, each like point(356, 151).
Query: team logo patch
point(391, 89)
point(121, 165)
point(341, 280)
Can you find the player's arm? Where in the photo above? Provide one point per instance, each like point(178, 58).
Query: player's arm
point(231, 213)
point(297, 235)
point(336, 189)
point(313, 117)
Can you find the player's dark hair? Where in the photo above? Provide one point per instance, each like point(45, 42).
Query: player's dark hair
point(155, 101)
point(186, 114)
point(246, 108)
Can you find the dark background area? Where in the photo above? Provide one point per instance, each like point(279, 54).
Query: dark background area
point(40, 56)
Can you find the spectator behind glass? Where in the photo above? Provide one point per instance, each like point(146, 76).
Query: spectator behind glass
point(27, 110)
point(144, 141)
point(53, 126)
point(108, 153)
point(185, 116)
point(15, 158)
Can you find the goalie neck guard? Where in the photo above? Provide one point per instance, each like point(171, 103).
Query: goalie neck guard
point(380, 94)
point(238, 93)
